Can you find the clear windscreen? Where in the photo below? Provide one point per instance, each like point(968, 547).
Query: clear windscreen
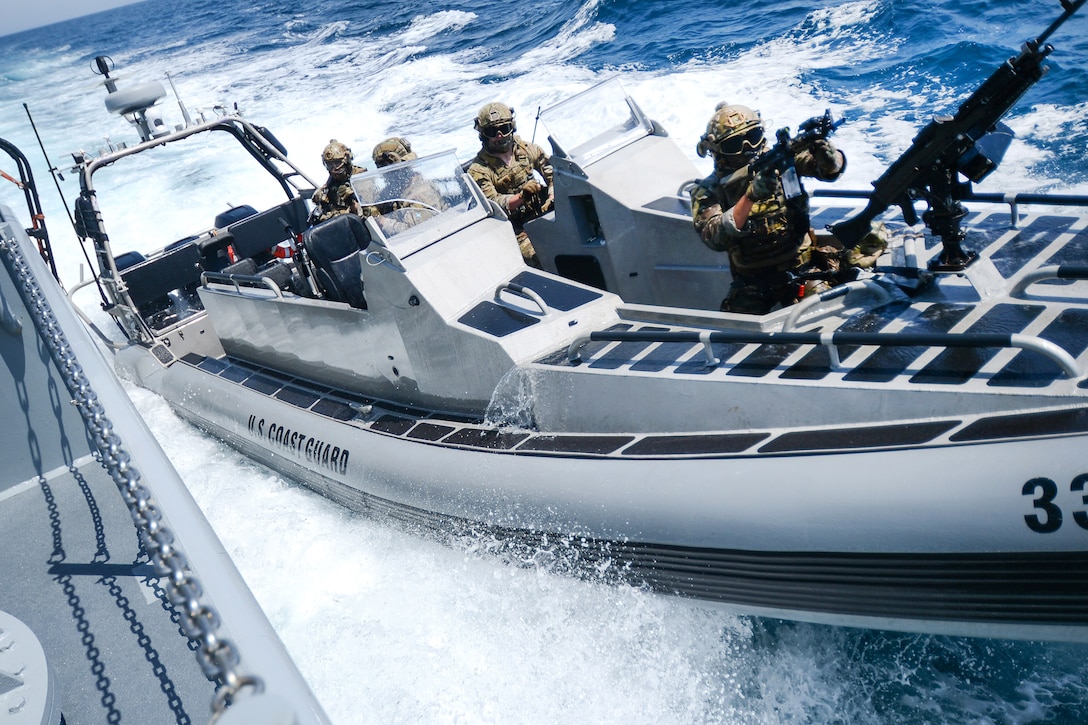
point(595, 122)
point(420, 197)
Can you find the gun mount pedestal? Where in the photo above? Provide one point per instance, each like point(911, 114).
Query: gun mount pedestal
point(946, 223)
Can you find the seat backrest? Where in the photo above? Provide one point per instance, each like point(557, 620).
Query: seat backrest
point(234, 214)
point(335, 247)
point(154, 278)
point(256, 234)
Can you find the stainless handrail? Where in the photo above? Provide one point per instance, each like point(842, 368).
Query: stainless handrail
point(521, 291)
point(233, 279)
point(1064, 271)
point(827, 295)
point(833, 340)
point(1013, 201)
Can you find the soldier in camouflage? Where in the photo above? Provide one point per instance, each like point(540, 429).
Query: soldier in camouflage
point(336, 195)
point(504, 170)
point(767, 235)
point(410, 198)
point(393, 150)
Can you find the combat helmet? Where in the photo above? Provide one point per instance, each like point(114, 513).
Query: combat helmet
point(495, 125)
point(335, 155)
point(393, 150)
point(734, 135)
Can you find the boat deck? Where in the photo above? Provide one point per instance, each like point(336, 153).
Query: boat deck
point(89, 632)
point(88, 592)
point(1054, 310)
point(73, 569)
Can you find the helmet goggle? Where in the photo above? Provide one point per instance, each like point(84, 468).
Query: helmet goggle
point(387, 158)
point(740, 143)
point(498, 130)
point(336, 164)
point(389, 153)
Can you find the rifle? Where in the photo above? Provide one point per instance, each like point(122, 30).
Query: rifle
point(779, 158)
point(971, 143)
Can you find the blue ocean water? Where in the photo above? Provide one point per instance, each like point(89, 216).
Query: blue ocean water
point(391, 627)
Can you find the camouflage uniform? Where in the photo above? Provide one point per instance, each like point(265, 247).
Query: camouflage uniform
point(334, 198)
point(776, 240)
point(411, 199)
point(500, 181)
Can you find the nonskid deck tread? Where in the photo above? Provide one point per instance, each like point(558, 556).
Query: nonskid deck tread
point(1039, 240)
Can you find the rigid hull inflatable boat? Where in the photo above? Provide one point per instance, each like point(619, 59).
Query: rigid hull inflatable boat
point(119, 603)
point(905, 450)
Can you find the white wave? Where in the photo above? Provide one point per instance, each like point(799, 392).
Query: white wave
point(479, 640)
point(576, 36)
point(423, 27)
point(324, 32)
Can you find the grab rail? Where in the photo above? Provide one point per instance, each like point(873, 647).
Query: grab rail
point(106, 339)
point(252, 280)
point(833, 340)
point(521, 291)
point(835, 292)
point(1064, 271)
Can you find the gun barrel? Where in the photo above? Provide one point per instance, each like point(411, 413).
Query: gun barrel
point(1070, 8)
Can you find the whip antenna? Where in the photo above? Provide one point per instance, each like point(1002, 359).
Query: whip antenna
point(181, 104)
point(54, 172)
point(537, 119)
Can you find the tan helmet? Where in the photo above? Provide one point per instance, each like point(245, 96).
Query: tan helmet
point(335, 154)
point(495, 125)
point(393, 150)
point(494, 114)
point(734, 134)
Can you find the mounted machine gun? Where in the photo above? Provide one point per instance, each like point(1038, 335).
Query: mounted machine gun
point(971, 143)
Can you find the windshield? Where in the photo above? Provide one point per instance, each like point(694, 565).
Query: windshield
point(595, 122)
point(416, 202)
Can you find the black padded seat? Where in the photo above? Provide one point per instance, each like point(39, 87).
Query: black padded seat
point(213, 252)
point(163, 288)
point(128, 259)
point(243, 266)
point(336, 249)
point(255, 235)
point(284, 277)
point(151, 280)
point(234, 214)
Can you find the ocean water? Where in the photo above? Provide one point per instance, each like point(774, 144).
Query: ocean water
point(393, 627)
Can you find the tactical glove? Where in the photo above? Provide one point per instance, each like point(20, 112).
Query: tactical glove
point(826, 157)
point(531, 187)
point(763, 186)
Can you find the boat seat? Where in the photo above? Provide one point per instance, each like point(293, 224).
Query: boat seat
point(213, 250)
point(281, 274)
point(242, 266)
point(234, 214)
point(151, 282)
point(256, 235)
point(336, 249)
point(128, 259)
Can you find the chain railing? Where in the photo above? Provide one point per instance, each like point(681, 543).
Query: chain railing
point(199, 621)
